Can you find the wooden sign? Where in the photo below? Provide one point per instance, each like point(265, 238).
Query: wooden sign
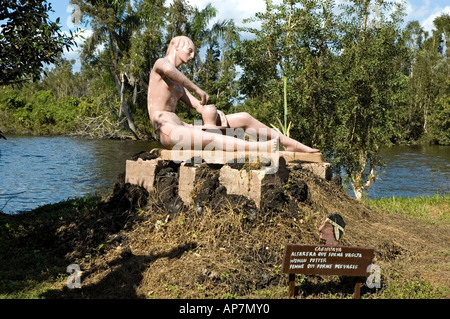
point(326, 260)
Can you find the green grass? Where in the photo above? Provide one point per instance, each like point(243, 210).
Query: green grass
point(415, 288)
point(429, 209)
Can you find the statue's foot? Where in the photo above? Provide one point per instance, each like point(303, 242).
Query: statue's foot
point(271, 146)
point(275, 145)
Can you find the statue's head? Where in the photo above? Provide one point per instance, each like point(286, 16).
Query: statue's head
point(332, 229)
point(183, 47)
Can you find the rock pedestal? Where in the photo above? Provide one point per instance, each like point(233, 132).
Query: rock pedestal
point(241, 173)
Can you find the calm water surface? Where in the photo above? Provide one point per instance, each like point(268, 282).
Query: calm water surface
point(41, 170)
point(413, 171)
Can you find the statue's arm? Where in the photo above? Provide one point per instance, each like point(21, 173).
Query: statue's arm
point(191, 101)
point(165, 68)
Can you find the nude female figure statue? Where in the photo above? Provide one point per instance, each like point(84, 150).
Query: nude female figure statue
point(167, 85)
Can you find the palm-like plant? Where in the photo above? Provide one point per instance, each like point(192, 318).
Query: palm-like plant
point(284, 128)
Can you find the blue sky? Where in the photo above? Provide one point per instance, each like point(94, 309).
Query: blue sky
point(422, 10)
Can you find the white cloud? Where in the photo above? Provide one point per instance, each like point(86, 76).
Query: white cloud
point(74, 53)
point(417, 10)
point(238, 10)
point(428, 22)
point(425, 11)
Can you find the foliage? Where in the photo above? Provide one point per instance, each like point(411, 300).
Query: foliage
point(37, 112)
point(113, 24)
point(428, 66)
point(440, 121)
point(61, 103)
point(371, 74)
point(28, 40)
point(358, 80)
point(136, 34)
point(342, 71)
point(295, 41)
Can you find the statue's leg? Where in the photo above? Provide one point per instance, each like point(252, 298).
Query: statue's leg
point(252, 125)
point(189, 137)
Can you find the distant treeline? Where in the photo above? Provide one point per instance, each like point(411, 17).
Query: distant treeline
point(347, 79)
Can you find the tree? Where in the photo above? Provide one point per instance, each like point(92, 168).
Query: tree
point(411, 117)
point(429, 70)
point(296, 42)
point(372, 74)
point(216, 72)
point(343, 74)
point(114, 24)
point(28, 40)
point(439, 124)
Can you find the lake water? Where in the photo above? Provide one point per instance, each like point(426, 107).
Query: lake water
point(413, 171)
point(40, 170)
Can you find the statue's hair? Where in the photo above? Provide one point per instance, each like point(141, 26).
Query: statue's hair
point(338, 225)
point(179, 42)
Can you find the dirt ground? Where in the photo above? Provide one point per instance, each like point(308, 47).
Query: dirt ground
point(137, 244)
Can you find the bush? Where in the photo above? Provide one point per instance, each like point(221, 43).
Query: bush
point(27, 111)
point(440, 121)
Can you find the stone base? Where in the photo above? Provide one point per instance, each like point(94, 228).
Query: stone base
point(248, 179)
point(323, 170)
point(250, 183)
point(142, 173)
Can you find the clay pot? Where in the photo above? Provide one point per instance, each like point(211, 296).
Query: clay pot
point(209, 115)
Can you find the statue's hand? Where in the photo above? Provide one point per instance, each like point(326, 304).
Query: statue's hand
point(204, 97)
point(223, 118)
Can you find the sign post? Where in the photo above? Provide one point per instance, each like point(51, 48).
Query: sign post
point(326, 260)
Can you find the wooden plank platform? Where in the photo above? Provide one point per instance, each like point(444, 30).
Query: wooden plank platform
point(221, 157)
point(302, 157)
